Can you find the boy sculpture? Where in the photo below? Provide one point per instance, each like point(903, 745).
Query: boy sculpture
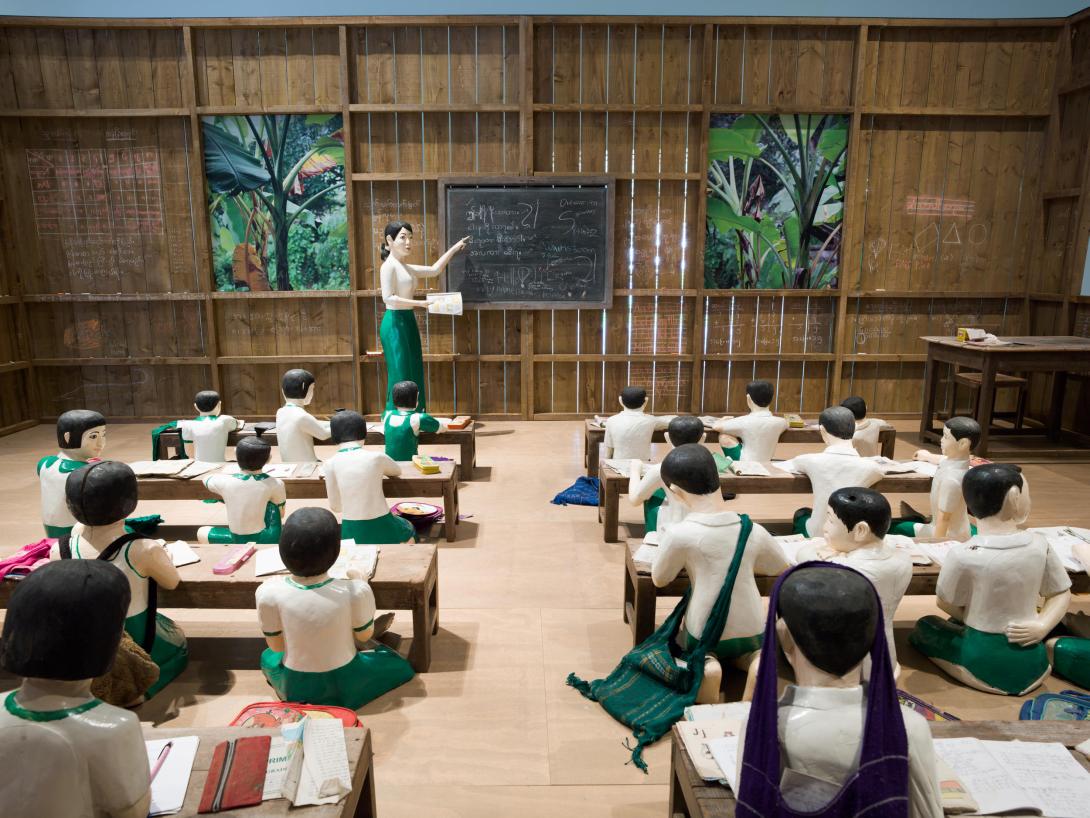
point(628, 434)
point(353, 480)
point(852, 747)
point(296, 428)
point(645, 482)
point(854, 534)
point(753, 436)
point(255, 501)
point(838, 466)
point(402, 425)
point(316, 626)
point(64, 753)
point(207, 433)
point(704, 544)
point(81, 435)
point(867, 429)
point(990, 586)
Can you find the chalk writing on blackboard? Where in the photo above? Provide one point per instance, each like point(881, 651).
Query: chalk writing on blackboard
point(96, 191)
point(90, 258)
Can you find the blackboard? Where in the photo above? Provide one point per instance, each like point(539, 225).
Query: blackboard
point(535, 242)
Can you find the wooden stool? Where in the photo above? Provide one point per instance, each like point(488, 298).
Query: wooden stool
point(972, 381)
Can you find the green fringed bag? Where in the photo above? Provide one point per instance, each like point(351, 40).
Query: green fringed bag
point(648, 691)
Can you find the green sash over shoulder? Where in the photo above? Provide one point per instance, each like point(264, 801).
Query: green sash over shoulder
point(648, 690)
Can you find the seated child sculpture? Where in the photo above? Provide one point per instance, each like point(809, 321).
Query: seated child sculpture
point(316, 626)
point(704, 544)
point(838, 466)
point(100, 496)
point(1069, 654)
point(402, 425)
point(353, 480)
point(66, 754)
point(990, 586)
point(645, 483)
point(752, 436)
point(867, 429)
point(255, 501)
point(949, 518)
point(207, 433)
point(854, 535)
point(296, 428)
point(628, 434)
point(81, 435)
point(827, 726)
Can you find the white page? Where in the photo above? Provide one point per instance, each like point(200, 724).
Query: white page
point(267, 561)
point(937, 552)
point(181, 554)
point(739, 711)
point(793, 543)
point(279, 760)
point(1063, 540)
point(925, 468)
point(280, 470)
point(695, 735)
point(645, 555)
point(749, 468)
point(621, 466)
point(988, 782)
point(725, 752)
point(158, 468)
point(1055, 782)
point(197, 468)
point(304, 470)
point(651, 538)
point(169, 787)
point(358, 558)
point(324, 777)
point(909, 546)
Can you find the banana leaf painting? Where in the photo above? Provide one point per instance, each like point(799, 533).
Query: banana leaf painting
point(775, 201)
point(276, 201)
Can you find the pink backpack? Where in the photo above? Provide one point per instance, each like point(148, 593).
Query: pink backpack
point(26, 559)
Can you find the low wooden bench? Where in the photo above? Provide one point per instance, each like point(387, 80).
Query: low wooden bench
point(406, 578)
point(360, 803)
point(595, 434)
point(613, 485)
point(693, 797)
point(411, 483)
point(465, 439)
point(640, 593)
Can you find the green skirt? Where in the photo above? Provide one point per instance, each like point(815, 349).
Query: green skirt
point(401, 347)
point(381, 530)
point(169, 650)
point(798, 526)
point(733, 452)
point(989, 657)
point(907, 528)
point(365, 677)
point(57, 531)
point(651, 508)
point(1071, 659)
point(270, 534)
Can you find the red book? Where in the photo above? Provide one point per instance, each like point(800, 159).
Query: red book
point(236, 777)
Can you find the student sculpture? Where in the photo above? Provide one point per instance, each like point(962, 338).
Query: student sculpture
point(753, 436)
point(209, 430)
point(81, 435)
point(398, 331)
point(867, 429)
point(838, 466)
point(827, 726)
point(854, 534)
point(64, 753)
point(100, 496)
point(704, 544)
point(255, 501)
point(296, 428)
point(1070, 655)
point(949, 518)
point(316, 626)
point(353, 481)
point(402, 425)
point(990, 586)
point(645, 482)
point(628, 434)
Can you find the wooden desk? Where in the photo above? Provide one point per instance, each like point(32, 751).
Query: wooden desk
point(1058, 354)
point(411, 484)
point(360, 803)
point(640, 593)
point(594, 435)
point(406, 578)
point(613, 485)
point(692, 797)
point(465, 439)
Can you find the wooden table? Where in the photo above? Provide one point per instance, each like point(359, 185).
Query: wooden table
point(465, 439)
point(594, 435)
point(360, 803)
point(406, 578)
point(411, 484)
point(1058, 354)
point(692, 797)
point(613, 485)
point(640, 593)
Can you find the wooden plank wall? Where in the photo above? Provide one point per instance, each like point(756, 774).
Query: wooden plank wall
point(954, 214)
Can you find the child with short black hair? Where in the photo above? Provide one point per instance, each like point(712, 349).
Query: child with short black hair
point(402, 425)
point(207, 433)
point(255, 500)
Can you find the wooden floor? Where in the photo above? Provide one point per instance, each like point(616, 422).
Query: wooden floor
point(528, 593)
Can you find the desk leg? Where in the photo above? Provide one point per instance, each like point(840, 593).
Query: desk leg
point(930, 386)
point(592, 459)
point(434, 604)
point(366, 806)
point(469, 456)
point(611, 510)
point(629, 592)
point(644, 615)
point(450, 510)
point(1056, 411)
point(987, 403)
point(420, 653)
point(888, 444)
point(678, 807)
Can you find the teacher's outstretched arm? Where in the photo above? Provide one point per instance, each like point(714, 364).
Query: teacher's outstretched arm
point(427, 271)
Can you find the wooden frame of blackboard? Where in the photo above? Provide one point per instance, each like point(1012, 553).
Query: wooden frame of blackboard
point(608, 182)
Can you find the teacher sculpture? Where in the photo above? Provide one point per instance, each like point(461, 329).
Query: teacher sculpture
point(398, 331)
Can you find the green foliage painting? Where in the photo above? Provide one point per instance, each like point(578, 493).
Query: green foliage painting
point(775, 201)
point(276, 193)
